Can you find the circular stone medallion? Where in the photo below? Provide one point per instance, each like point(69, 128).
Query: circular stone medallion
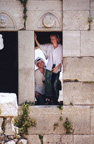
point(48, 20)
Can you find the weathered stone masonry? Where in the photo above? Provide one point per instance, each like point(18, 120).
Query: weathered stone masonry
point(70, 17)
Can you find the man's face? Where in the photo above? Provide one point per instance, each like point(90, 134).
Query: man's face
point(53, 39)
point(40, 64)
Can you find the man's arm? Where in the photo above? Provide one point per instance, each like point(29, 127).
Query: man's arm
point(38, 44)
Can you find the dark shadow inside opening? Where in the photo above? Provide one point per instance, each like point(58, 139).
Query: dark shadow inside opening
point(9, 63)
point(44, 37)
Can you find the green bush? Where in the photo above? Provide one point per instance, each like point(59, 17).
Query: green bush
point(68, 126)
point(23, 121)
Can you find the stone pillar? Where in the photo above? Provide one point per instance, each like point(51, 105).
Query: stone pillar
point(26, 66)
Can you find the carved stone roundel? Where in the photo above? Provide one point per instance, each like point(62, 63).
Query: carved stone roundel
point(48, 20)
point(3, 21)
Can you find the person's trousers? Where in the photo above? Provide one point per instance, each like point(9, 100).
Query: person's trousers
point(51, 85)
point(40, 99)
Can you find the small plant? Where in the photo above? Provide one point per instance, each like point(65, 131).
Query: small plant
point(68, 126)
point(90, 19)
point(55, 126)
point(41, 138)
point(60, 107)
point(23, 121)
point(71, 103)
point(29, 103)
point(61, 118)
point(24, 3)
point(76, 80)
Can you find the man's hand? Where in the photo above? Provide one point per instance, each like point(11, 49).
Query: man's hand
point(36, 94)
point(54, 70)
point(35, 36)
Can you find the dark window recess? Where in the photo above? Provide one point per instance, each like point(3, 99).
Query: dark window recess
point(44, 37)
point(9, 63)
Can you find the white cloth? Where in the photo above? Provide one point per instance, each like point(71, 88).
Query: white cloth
point(38, 59)
point(39, 85)
point(54, 56)
point(1, 42)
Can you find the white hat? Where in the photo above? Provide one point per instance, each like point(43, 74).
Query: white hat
point(38, 59)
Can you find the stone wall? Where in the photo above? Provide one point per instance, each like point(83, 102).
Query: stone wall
point(78, 64)
point(70, 17)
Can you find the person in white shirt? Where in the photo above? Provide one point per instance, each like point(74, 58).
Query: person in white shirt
point(39, 81)
point(54, 53)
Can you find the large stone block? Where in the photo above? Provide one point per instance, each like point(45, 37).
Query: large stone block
point(92, 120)
point(26, 49)
point(87, 43)
point(26, 66)
point(14, 10)
point(46, 117)
point(71, 47)
point(92, 23)
point(75, 20)
point(22, 141)
point(67, 139)
point(8, 104)
point(81, 69)
point(51, 139)
point(92, 139)
point(79, 116)
point(83, 139)
point(91, 4)
point(8, 5)
point(26, 85)
point(44, 5)
point(10, 142)
point(78, 93)
point(33, 139)
point(34, 20)
point(75, 5)
point(58, 139)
